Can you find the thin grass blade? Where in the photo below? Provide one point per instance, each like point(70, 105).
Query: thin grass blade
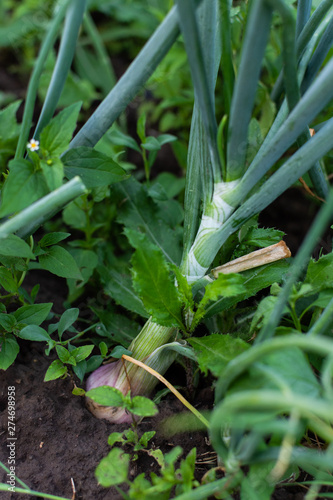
point(48, 42)
point(254, 44)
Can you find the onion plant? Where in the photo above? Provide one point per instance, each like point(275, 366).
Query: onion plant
point(225, 185)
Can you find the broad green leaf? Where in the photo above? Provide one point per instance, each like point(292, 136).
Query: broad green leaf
point(120, 288)
point(113, 469)
point(254, 281)
point(115, 437)
point(74, 215)
point(67, 319)
point(138, 211)
point(60, 262)
point(215, 351)
point(292, 366)
point(81, 353)
point(7, 281)
point(320, 273)
point(106, 396)
point(118, 138)
point(64, 354)
point(7, 321)
point(152, 281)
point(55, 370)
point(9, 128)
point(34, 332)
point(9, 349)
point(15, 247)
point(52, 239)
point(119, 328)
point(263, 313)
point(22, 187)
point(53, 171)
point(256, 484)
point(262, 237)
point(57, 135)
point(33, 314)
point(142, 407)
point(226, 285)
point(95, 168)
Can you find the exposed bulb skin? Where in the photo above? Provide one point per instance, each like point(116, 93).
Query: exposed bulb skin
point(148, 347)
point(107, 375)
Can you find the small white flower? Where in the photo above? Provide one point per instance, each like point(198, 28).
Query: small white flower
point(33, 145)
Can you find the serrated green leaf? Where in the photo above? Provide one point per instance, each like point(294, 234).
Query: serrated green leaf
point(226, 285)
point(34, 332)
point(7, 281)
point(53, 171)
point(106, 396)
point(67, 319)
point(56, 136)
point(56, 370)
point(138, 211)
point(215, 351)
point(60, 262)
point(33, 314)
point(254, 281)
point(120, 288)
point(95, 168)
point(152, 281)
point(113, 469)
point(9, 349)
point(22, 187)
point(15, 247)
point(52, 239)
point(142, 407)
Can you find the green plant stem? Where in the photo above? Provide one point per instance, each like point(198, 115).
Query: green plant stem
point(34, 80)
point(324, 321)
point(4, 487)
point(27, 221)
point(109, 77)
point(320, 345)
point(26, 490)
point(65, 56)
